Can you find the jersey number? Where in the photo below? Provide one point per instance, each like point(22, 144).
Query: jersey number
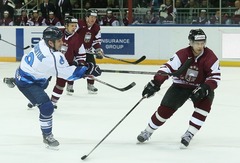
point(29, 59)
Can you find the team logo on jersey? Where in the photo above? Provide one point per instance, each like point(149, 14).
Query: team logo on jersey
point(61, 61)
point(191, 74)
point(87, 37)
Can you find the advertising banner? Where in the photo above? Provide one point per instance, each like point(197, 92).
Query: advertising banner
point(118, 43)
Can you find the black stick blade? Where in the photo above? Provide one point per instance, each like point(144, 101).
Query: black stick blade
point(140, 60)
point(130, 62)
point(83, 157)
point(127, 87)
point(26, 47)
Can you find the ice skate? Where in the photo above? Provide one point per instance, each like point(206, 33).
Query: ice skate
point(145, 135)
point(70, 90)
point(186, 138)
point(50, 142)
point(10, 82)
point(91, 89)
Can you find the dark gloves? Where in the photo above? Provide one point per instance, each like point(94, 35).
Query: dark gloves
point(150, 89)
point(99, 53)
point(93, 70)
point(75, 63)
point(78, 63)
point(10, 82)
point(200, 92)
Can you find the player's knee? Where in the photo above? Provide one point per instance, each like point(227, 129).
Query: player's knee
point(46, 109)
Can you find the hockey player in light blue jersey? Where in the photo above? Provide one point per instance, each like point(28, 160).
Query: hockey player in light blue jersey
point(35, 70)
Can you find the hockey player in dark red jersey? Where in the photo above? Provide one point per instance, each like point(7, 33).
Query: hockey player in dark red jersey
point(75, 53)
point(197, 82)
point(90, 32)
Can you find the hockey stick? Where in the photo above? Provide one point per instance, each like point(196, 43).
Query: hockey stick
point(122, 60)
point(23, 48)
point(85, 156)
point(134, 62)
point(176, 73)
point(120, 89)
point(100, 81)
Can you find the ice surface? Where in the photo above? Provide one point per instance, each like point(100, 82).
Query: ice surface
point(82, 121)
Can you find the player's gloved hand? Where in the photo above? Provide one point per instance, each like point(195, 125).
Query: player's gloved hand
point(75, 63)
point(150, 89)
point(93, 69)
point(99, 53)
point(200, 92)
point(10, 82)
point(78, 63)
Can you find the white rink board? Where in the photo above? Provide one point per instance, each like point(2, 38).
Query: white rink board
point(156, 42)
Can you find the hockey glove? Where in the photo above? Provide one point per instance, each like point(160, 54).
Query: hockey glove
point(99, 53)
point(150, 89)
point(10, 82)
point(93, 70)
point(200, 92)
point(75, 63)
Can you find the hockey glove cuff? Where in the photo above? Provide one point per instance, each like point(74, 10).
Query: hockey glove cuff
point(160, 78)
point(93, 70)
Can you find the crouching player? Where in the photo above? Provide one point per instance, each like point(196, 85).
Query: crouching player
point(36, 67)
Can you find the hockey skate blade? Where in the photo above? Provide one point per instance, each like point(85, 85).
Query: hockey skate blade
point(182, 146)
point(52, 148)
point(92, 92)
point(69, 93)
point(30, 108)
point(138, 142)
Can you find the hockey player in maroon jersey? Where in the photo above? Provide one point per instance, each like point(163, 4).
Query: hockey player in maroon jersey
point(74, 51)
point(90, 32)
point(197, 82)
